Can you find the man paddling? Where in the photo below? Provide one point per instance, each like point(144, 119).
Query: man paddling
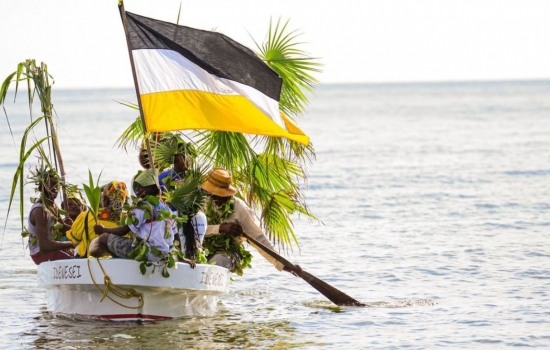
point(228, 218)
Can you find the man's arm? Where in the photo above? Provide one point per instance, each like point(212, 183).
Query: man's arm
point(119, 231)
point(251, 228)
point(45, 243)
point(212, 230)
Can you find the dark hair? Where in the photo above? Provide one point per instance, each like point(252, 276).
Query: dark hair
point(152, 190)
point(191, 239)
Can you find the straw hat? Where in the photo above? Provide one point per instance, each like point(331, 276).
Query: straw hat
point(218, 182)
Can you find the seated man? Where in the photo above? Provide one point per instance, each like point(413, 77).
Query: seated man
point(229, 215)
point(44, 215)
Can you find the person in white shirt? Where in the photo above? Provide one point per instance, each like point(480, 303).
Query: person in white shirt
point(231, 216)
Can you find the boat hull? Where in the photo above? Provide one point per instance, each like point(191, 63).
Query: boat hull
point(115, 289)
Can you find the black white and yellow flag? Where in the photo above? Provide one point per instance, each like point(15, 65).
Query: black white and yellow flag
point(196, 79)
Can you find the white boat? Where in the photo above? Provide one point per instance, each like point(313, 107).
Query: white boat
point(115, 289)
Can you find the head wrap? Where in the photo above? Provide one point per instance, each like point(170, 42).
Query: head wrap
point(117, 194)
point(76, 196)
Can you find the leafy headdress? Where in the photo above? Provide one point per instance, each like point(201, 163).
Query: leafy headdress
point(169, 146)
point(40, 176)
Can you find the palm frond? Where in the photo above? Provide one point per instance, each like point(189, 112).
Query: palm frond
point(168, 147)
point(288, 149)
point(271, 172)
point(188, 198)
point(271, 183)
point(163, 153)
point(276, 217)
point(281, 53)
point(132, 136)
point(229, 150)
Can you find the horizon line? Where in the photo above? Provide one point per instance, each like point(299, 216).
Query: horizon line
point(320, 85)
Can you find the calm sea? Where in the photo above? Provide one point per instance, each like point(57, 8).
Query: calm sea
point(434, 201)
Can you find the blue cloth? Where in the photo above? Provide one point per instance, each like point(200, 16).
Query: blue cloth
point(169, 175)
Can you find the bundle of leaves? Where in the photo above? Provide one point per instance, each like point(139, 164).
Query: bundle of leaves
point(223, 243)
point(168, 146)
point(230, 247)
point(39, 176)
point(188, 198)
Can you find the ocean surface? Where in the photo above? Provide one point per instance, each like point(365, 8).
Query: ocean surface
point(434, 209)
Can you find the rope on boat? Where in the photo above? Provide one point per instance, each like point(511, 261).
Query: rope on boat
point(110, 287)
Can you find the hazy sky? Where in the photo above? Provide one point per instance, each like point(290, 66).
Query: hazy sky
point(84, 45)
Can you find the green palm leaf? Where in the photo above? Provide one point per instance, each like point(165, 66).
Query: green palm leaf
point(132, 136)
point(93, 194)
point(271, 183)
point(280, 52)
point(276, 216)
point(18, 177)
point(188, 198)
point(228, 150)
point(169, 145)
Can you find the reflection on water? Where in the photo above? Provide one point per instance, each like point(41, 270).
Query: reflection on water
point(220, 332)
point(225, 330)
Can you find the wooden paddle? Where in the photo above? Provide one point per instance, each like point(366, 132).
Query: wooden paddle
point(336, 296)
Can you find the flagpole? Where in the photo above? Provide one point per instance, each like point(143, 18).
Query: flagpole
point(125, 25)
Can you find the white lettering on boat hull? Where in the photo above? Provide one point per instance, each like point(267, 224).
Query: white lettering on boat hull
point(212, 279)
point(66, 272)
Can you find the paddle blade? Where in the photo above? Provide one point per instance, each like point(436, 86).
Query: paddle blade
point(336, 296)
point(332, 294)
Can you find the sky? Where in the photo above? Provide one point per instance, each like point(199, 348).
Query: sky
point(356, 41)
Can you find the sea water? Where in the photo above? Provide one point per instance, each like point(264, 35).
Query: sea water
point(433, 203)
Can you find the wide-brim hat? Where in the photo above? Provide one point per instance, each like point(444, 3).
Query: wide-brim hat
point(218, 182)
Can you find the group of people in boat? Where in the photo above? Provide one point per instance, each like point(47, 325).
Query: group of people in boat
point(223, 215)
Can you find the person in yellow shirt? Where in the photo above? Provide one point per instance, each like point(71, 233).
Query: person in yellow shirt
point(114, 196)
point(73, 205)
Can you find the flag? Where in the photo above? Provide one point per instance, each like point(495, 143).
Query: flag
point(196, 79)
